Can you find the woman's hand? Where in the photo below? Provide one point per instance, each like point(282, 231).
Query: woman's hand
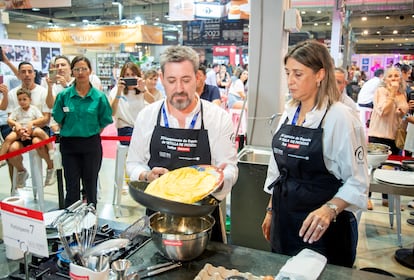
point(121, 86)
point(267, 221)
point(315, 224)
point(141, 85)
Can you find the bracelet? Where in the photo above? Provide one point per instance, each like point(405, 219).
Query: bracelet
point(118, 96)
point(269, 210)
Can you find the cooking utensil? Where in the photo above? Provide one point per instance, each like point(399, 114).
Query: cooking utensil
point(202, 208)
point(74, 257)
point(133, 230)
point(86, 226)
point(180, 238)
point(71, 208)
point(377, 154)
point(120, 267)
point(187, 184)
point(157, 269)
point(106, 247)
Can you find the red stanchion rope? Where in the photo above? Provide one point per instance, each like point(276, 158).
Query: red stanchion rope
point(28, 148)
point(116, 138)
point(51, 139)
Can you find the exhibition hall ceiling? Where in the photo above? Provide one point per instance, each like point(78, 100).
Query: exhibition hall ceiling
point(388, 28)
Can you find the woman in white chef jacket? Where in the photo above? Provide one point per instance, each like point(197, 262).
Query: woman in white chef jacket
point(318, 172)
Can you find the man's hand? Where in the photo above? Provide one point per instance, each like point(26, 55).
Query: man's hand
point(155, 173)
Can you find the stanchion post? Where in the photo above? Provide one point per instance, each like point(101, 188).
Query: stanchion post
point(57, 164)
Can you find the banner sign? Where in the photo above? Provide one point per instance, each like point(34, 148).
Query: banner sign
point(217, 32)
point(102, 35)
point(37, 53)
point(188, 10)
point(28, 4)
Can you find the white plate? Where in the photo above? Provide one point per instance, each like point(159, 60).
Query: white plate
point(405, 178)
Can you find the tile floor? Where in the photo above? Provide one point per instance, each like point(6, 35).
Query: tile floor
point(377, 241)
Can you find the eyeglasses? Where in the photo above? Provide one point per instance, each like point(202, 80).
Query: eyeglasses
point(80, 69)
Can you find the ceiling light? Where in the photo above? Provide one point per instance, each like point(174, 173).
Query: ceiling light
point(365, 32)
point(303, 12)
point(364, 18)
point(387, 17)
point(35, 9)
point(315, 24)
point(318, 11)
point(85, 21)
point(328, 23)
point(395, 32)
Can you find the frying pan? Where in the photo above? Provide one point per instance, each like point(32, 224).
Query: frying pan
point(201, 208)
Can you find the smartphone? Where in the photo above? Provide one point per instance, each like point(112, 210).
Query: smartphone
point(130, 81)
point(411, 95)
point(1, 53)
point(52, 74)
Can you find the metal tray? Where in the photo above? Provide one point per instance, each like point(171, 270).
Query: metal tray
point(201, 208)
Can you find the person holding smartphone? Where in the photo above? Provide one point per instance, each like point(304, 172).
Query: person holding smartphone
point(127, 99)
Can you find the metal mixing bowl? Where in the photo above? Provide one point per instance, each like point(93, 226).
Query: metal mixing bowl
point(180, 238)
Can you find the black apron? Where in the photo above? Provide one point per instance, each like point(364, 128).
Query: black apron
point(174, 148)
point(304, 185)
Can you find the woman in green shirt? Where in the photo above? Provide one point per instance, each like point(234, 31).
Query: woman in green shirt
point(82, 112)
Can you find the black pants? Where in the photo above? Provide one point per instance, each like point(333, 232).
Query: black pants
point(81, 160)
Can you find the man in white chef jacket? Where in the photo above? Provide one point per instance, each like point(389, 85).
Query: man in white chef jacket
point(182, 130)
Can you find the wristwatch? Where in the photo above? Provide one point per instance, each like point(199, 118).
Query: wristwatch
point(333, 207)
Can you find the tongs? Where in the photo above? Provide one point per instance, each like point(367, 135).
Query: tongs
point(157, 269)
point(64, 215)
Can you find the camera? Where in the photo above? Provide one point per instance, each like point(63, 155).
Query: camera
point(52, 74)
point(130, 81)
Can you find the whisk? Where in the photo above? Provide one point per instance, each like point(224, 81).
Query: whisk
point(86, 226)
point(64, 228)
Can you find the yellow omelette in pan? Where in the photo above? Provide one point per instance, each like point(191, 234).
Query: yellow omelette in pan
point(187, 184)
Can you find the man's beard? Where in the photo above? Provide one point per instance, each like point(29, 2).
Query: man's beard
point(181, 104)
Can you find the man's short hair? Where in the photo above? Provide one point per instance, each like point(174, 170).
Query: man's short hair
point(379, 72)
point(179, 54)
point(25, 63)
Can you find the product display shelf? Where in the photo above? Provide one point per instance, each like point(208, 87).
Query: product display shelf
point(104, 65)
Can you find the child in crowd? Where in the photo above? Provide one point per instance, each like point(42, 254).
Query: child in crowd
point(21, 120)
